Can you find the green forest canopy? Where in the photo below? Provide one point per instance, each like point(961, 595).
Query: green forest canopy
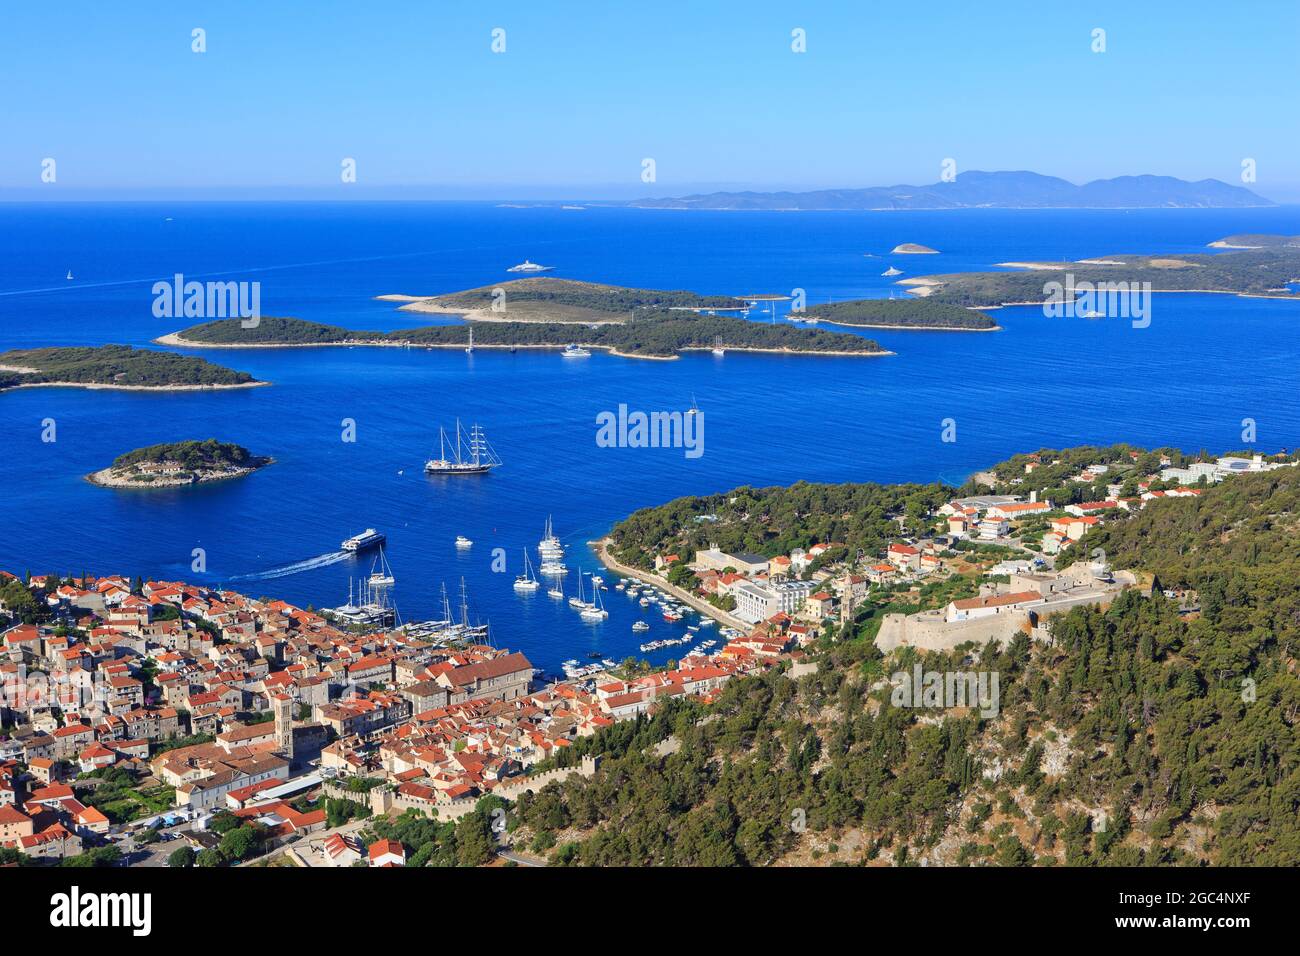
point(1180, 729)
point(654, 333)
point(193, 455)
point(118, 365)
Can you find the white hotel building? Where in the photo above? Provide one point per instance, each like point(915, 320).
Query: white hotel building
point(757, 602)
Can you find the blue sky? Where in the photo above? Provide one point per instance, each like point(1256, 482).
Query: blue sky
point(711, 91)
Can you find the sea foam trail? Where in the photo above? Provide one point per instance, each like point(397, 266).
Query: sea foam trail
point(320, 561)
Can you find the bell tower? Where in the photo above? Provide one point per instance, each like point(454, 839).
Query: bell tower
point(282, 706)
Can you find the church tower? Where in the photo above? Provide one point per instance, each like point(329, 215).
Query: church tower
point(282, 706)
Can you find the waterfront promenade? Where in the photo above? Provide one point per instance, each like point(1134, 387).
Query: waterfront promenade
point(701, 605)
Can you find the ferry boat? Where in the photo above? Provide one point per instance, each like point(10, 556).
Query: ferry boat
point(575, 351)
point(526, 581)
point(463, 542)
point(529, 266)
point(480, 459)
point(369, 538)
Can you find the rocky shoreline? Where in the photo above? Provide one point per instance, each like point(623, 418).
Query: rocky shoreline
point(108, 478)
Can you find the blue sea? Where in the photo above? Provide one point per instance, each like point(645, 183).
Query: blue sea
point(1205, 363)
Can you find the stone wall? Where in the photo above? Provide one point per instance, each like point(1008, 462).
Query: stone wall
point(383, 800)
point(933, 633)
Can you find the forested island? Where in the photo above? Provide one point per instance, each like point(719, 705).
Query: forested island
point(902, 314)
point(547, 299)
point(550, 314)
point(178, 463)
point(115, 366)
point(1264, 269)
point(1135, 709)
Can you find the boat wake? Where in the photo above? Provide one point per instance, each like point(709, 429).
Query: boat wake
point(310, 564)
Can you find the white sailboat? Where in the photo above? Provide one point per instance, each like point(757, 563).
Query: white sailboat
point(717, 346)
point(470, 348)
point(695, 408)
point(550, 547)
point(526, 581)
point(595, 611)
point(578, 602)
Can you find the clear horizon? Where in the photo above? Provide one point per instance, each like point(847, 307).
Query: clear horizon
point(576, 100)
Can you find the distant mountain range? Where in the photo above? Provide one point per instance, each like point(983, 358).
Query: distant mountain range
point(998, 190)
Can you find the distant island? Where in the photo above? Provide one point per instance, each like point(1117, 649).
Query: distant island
point(990, 190)
point(549, 313)
point(914, 249)
point(115, 366)
point(924, 315)
point(547, 299)
point(178, 464)
point(1255, 240)
point(1266, 267)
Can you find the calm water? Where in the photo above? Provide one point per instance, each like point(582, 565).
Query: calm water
point(1205, 363)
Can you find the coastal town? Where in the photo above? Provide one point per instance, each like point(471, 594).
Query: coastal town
point(184, 703)
point(145, 721)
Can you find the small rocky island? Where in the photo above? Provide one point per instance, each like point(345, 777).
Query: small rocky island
point(178, 464)
point(914, 249)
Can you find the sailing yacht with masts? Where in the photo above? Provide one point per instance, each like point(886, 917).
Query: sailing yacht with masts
point(595, 611)
point(526, 581)
point(552, 552)
point(578, 601)
point(372, 605)
point(472, 455)
point(550, 545)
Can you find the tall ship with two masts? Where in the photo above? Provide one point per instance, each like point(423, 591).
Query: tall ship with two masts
point(469, 454)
